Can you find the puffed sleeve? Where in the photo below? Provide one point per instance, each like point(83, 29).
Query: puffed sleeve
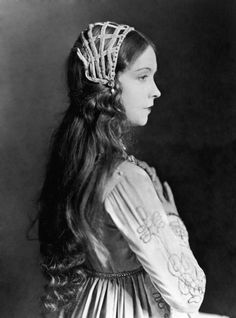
point(136, 210)
point(175, 221)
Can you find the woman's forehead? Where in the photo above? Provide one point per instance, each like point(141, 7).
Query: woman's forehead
point(145, 60)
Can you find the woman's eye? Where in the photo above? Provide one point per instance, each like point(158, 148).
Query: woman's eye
point(143, 77)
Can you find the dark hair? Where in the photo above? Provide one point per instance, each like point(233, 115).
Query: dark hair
point(85, 149)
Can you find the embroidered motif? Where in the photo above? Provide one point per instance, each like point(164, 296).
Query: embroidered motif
point(150, 226)
point(190, 280)
point(162, 304)
point(179, 229)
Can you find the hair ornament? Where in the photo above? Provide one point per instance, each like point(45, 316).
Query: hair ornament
point(100, 49)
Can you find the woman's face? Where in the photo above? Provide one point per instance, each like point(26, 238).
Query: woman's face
point(138, 87)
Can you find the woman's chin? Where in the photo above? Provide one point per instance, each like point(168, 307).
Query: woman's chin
point(139, 122)
point(143, 122)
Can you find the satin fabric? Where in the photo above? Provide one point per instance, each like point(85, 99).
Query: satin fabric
point(137, 233)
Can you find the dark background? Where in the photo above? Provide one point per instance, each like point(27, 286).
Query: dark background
point(190, 137)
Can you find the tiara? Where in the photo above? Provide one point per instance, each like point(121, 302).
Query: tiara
point(99, 52)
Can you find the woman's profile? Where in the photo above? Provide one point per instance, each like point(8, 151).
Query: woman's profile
point(112, 241)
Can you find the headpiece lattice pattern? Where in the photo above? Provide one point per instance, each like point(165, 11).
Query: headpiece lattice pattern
point(99, 52)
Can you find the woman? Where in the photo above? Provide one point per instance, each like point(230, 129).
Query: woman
point(112, 242)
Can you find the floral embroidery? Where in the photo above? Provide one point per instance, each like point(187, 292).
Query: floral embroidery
point(190, 280)
point(179, 228)
point(150, 226)
point(162, 304)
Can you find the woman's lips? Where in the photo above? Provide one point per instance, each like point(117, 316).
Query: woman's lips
point(149, 107)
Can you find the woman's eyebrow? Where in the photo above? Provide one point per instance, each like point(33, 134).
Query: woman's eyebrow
point(145, 68)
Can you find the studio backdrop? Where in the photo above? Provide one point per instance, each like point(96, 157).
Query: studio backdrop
point(190, 137)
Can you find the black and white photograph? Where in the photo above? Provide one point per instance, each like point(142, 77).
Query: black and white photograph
point(118, 159)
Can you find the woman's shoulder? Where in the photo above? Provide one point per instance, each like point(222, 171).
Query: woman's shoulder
point(129, 168)
point(125, 172)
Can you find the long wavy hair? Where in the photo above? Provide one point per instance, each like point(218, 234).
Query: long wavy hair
point(85, 149)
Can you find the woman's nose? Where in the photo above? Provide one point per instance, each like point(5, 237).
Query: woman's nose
point(156, 92)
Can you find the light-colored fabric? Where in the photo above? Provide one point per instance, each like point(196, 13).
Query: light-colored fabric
point(137, 211)
point(136, 232)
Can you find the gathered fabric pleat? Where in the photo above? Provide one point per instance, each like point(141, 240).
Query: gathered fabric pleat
point(114, 297)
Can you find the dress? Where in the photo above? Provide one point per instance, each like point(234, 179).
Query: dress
point(142, 265)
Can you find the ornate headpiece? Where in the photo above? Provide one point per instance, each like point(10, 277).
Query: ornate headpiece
point(99, 52)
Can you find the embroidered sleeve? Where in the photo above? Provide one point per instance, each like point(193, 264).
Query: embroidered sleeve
point(159, 243)
point(178, 227)
point(175, 221)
